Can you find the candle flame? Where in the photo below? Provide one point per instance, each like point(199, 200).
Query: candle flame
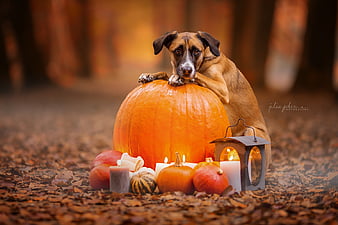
point(166, 160)
point(118, 162)
point(230, 154)
point(183, 158)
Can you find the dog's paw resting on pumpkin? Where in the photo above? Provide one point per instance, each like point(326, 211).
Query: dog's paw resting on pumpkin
point(149, 77)
point(145, 78)
point(176, 80)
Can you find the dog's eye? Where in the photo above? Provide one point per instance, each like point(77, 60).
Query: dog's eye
point(196, 52)
point(178, 52)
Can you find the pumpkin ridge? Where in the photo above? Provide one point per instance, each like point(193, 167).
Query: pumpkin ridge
point(131, 117)
point(208, 120)
point(205, 120)
point(148, 182)
point(191, 96)
point(152, 127)
point(187, 119)
point(155, 89)
point(171, 132)
point(184, 111)
point(118, 134)
point(139, 187)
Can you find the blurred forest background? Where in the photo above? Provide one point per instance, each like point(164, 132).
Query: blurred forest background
point(280, 45)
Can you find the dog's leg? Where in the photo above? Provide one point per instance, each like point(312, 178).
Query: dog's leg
point(148, 77)
point(219, 87)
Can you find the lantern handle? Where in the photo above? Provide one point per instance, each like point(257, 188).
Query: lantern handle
point(244, 124)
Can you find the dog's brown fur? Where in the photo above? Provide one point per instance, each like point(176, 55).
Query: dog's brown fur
point(218, 73)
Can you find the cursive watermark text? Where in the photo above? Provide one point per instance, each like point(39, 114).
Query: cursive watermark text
point(289, 107)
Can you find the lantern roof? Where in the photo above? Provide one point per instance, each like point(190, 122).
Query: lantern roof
point(246, 140)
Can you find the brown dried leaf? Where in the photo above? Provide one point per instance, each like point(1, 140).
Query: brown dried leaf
point(237, 204)
point(77, 190)
point(132, 202)
point(228, 191)
point(282, 213)
point(63, 178)
point(318, 211)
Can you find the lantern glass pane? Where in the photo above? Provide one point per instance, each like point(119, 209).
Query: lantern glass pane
point(229, 154)
point(255, 165)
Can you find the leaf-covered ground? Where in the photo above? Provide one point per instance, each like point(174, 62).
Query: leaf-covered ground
point(49, 137)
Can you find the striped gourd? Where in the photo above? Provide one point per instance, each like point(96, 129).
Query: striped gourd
point(142, 183)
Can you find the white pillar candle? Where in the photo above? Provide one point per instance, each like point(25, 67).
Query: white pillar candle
point(119, 179)
point(191, 165)
point(233, 170)
point(161, 166)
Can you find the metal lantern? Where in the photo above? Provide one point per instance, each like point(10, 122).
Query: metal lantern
point(250, 154)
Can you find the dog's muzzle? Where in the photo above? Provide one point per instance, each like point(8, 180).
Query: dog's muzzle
point(187, 71)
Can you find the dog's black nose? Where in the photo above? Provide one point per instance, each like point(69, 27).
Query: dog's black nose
point(186, 70)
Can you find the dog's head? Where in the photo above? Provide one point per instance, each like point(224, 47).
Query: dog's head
point(187, 50)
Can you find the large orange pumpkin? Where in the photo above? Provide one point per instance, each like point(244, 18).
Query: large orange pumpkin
point(156, 120)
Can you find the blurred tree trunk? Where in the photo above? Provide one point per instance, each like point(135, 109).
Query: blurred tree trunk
point(5, 81)
point(84, 45)
point(188, 14)
point(78, 14)
point(160, 24)
point(33, 64)
point(104, 55)
point(251, 32)
point(263, 33)
point(286, 44)
point(335, 70)
point(63, 66)
point(316, 66)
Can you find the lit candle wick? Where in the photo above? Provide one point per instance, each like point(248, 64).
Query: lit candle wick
point(183, 158)
point(231, 158)
point(166, 160)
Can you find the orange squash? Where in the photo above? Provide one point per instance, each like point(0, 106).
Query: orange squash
point(208, 161)
point(156, 120)
point(176, 178)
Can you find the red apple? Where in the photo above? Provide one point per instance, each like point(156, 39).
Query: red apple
point(107, 157)
point(210, 179)
point(99, 177)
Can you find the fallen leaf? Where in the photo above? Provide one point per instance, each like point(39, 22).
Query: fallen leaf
point(132, 202)
point(77, 190)
point(63, 178)
point(237, 204)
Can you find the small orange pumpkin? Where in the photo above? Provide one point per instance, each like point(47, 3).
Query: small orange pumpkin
point(156, 120)
point(210, 179)
point(208, 161)
point(176, 178)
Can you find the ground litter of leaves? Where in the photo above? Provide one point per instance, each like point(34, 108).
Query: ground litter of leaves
point(49, 137)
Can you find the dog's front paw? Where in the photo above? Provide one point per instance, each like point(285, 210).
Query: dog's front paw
point(176, 80)
point(146, 78)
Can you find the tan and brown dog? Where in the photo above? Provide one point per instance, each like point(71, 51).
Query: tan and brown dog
point(195, 57)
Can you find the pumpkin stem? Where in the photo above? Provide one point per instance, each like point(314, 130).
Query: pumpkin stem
point(178, 162)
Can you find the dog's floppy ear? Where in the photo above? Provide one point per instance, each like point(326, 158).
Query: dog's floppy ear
point(165, 40)
point(210, 41)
